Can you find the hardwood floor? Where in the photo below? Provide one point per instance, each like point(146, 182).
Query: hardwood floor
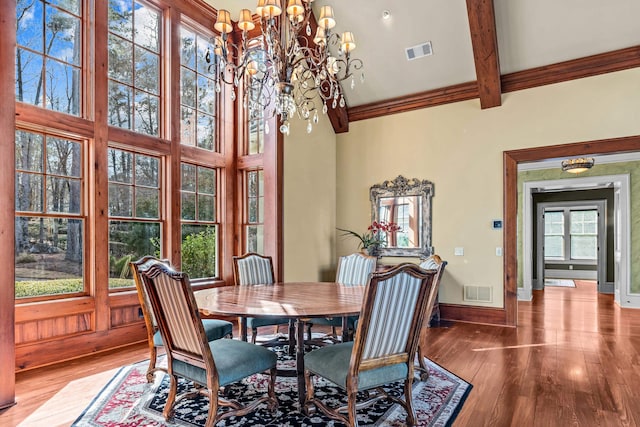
point(574, 360)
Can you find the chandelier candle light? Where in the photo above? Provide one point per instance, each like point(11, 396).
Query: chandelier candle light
point(284, 71)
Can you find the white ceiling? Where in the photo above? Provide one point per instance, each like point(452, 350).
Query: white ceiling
point(530, 34)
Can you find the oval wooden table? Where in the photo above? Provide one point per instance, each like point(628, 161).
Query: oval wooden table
point(298, 301)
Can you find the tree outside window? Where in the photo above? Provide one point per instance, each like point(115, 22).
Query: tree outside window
point(134, 66)
point(49, 54)
point(254, 203)
point(134, 212)
point(199, 247)
point(49, 228)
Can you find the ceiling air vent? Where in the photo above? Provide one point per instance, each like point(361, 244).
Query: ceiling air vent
point(419, 51)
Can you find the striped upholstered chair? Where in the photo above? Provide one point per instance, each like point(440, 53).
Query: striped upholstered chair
point(353, 270)
point(213, 328)
point(255, 269)
point(384, 347)
point(434, 263)
point(210, 364)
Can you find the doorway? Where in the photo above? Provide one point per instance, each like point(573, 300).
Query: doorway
point(619, 267)
point(571, 239)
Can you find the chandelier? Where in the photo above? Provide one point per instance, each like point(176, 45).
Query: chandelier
point(284, 71)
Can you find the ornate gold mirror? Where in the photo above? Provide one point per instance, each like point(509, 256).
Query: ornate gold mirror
point(407, 203)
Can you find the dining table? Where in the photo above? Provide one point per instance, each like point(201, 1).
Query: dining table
point(298, 301)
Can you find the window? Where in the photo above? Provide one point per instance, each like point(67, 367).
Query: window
point(554, 234)
point(198, 92)
point(254, 215)
point(134, 66)
point(134, 212)
point(49, 54)
point(571, 234)
point(49, 231)
point(584, 235)
point(199, 221)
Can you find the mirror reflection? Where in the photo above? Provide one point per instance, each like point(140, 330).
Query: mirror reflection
point(405, 211)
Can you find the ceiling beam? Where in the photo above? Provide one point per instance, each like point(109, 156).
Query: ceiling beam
point(482, 25)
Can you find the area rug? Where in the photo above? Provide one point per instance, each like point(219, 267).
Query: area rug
point(560, 283)
point(128, 400)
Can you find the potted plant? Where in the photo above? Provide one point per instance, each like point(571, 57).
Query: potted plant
point(375, 237)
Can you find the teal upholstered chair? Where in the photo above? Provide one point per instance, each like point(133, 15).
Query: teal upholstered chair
point(353, 270)
point(255, 269)
point(210, 364)
point(435, 263)
point(384, 347)
point(214, 328)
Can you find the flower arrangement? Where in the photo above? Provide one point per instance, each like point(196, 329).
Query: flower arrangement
point(376, 235)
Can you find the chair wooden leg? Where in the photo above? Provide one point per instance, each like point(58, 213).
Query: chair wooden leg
point(153, 354)
point(254, 335)
point(411, 413)
point(422, 365)
point(351, 409)
point(213, 409)
point(171, 398)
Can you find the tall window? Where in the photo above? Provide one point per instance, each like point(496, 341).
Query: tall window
point(199, 221)
point(584, 234)
point(254, 215)
point(49, 54)
point(198, 92)
point(134, 212)
point(49, 232)
point(134, 66)
point(554, 234)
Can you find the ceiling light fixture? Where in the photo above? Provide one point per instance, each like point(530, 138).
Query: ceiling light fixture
point(285, 71)
point(386, 14)
point(578, 165)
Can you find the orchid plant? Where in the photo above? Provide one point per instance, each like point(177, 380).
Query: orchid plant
point(376, 234)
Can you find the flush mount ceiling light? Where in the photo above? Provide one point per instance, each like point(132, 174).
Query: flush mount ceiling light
point(386, 14)
point(578, 165)
point(286, 69)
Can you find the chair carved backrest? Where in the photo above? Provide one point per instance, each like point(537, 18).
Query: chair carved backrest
point(354, 269)
point(172, 299)
point(434, 262)
point(143, 297)
point(253, 269)
point(393, 310)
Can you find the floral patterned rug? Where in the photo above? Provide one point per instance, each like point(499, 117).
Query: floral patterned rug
point(128, 400)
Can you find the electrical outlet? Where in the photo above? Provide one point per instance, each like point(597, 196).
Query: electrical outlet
point(458, 251)
point(498, 251)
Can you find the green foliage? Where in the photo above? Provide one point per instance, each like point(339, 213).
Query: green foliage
point(25, 259)
point(34, 288)
point(198, 253)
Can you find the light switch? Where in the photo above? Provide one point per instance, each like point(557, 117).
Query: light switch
point(458, 251)
point(498, 251)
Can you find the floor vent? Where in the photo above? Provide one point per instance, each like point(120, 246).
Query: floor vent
point(478, 293)
point(419, 51)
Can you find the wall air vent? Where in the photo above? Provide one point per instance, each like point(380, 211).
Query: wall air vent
point(478, 293)
point(419, 51)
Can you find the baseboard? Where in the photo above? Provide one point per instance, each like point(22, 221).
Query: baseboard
point(473, 314)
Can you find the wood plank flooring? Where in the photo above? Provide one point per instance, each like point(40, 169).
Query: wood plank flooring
point(573, 360)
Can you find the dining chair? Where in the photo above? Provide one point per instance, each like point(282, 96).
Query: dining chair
point(214, 328)
point(384, 347)
point(211, 365)
point(353, 270)
point(255, 269)
point(435, 263)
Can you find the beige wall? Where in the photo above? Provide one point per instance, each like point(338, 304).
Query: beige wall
point(459, 148)
point(309, 202)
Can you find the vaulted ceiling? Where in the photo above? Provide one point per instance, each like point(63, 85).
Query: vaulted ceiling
point(481, 48)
